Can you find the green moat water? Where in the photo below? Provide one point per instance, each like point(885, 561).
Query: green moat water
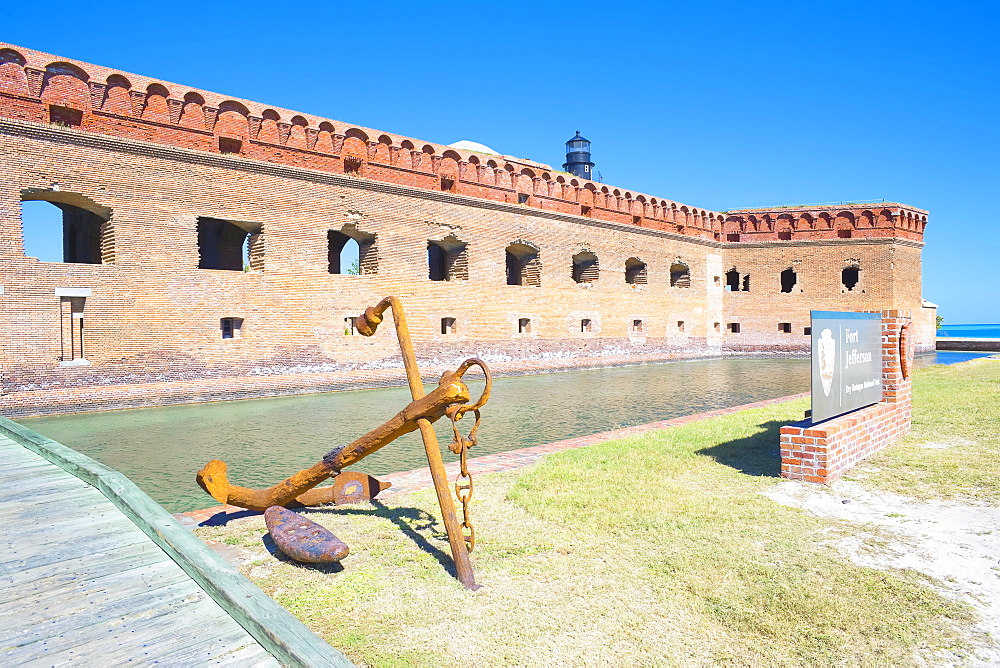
point(265, 440)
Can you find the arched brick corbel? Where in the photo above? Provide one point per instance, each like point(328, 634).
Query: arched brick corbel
point(372, 149)
point(284, 132)
point(211, 116)
point(36, 78)
point(174, 108)
point(436, 163)
point(338, 144)
point(97, 91)
point(312, 135)
point(138, 99)
point(394, 152)
point(253, 124)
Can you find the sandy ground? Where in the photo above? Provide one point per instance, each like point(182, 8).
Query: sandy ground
point(957, 545)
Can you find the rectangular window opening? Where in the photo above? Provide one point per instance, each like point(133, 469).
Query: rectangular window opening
point(585, 211)
point(732, 237)
point(807, 331)
point(522, 198)
point(230, 245)
point(680, 325)
point(784, 236)
point(230, 146)
point(349, 328)
point(231, 328)
point(524, 326)
point(65, 116)
point(733, 327)
point(447, 184)
point(586, 325)
point(447, 325)
point(785, 327)
point(352, 166)
point(71, 328)
point(637, 220)
point(844, 234)
point(637, 326)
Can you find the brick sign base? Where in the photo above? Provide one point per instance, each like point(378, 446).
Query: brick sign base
point(823, 452)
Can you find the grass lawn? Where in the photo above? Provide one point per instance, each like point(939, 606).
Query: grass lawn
point(656, 549)
point(954, 450)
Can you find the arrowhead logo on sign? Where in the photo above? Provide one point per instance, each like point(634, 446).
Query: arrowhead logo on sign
point(827, 359)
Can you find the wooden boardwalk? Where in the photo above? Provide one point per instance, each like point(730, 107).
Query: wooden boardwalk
point(81, 584)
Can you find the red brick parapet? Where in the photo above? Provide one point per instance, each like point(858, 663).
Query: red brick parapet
point(823, 452)
point(44, 88)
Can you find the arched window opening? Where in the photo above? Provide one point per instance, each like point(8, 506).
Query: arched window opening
point(680, 275)
point(447, 260)
point(850, 277)
point(635, 271)
point(230, 245)
point(586, 267)
point(87, 237)
point(788, 280)
point(343, 254)
point(351, 252)
point(523, 265)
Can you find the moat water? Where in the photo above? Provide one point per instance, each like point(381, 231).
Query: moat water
point(265, 440)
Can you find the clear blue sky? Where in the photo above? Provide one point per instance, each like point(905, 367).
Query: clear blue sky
point(715, 104)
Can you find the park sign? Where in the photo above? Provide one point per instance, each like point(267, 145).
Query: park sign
point(846, 362)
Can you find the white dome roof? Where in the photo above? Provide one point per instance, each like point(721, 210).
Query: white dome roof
point(467, 145)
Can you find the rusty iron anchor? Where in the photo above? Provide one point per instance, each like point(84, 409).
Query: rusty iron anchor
point(451, 397)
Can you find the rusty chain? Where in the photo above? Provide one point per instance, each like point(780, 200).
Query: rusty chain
point(463, 484)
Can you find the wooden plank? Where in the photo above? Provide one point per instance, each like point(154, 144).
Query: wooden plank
point(70, 551)
point(248, 656)
point(210, 650)
point(106, 536)
point(89, 566)
point(177, 614)
point(53, 485)
point(174, 638)
point(49, 600)
point(121, 617)
point(9, 465)
point(35, 527)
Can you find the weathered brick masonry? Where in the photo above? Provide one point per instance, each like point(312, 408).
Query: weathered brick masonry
point(822, 452)
point(162, 185)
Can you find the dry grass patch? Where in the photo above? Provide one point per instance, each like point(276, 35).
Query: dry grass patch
point(953, 452)
point(658, 549)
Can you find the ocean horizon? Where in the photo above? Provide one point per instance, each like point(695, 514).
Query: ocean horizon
point(985, 331)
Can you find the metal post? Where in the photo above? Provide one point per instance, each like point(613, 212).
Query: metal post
point(459, 549)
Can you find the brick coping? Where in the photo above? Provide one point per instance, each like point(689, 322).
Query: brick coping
point(419, 479)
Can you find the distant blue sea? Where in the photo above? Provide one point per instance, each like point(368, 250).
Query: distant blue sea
point(971, 331)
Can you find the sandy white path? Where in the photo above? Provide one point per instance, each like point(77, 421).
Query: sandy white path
point(957, 545)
